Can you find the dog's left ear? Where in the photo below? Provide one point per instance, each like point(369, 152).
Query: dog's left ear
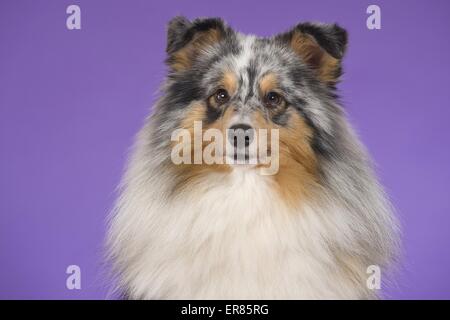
point(320, 46)
point(186, 40)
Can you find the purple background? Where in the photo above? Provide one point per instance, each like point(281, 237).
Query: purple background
point(71, 102)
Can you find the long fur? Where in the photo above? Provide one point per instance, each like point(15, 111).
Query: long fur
point(230, 234)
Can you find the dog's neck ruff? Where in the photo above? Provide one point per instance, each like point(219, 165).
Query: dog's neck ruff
point(231, 237)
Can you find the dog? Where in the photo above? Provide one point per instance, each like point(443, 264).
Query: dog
point(310, 229)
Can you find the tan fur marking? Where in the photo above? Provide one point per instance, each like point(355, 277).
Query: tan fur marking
point(229, 82)
point(311, 52)
point(268, 83)
point(183, 58)
point(189, 175)
point(296, 179)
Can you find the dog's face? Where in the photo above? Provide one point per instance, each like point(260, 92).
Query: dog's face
point(227, 80)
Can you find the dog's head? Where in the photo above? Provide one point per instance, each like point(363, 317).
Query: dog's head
point(226, 80)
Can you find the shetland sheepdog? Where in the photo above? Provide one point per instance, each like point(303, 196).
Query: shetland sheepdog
point(226, 229)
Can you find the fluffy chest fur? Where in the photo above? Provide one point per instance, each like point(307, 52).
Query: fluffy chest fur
point(234, 238)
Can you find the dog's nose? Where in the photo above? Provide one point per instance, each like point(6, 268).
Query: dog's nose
point(240, 135)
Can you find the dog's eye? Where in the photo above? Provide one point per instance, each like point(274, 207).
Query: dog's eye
point(273, 99)
point(221, 96)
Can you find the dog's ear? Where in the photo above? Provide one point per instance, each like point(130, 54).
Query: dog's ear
point(320, 46)
point(186, 39)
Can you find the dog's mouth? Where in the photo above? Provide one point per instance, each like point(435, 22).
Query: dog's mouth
point(245, 157)
point(241, 157)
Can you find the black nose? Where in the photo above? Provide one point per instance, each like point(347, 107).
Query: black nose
point(240, 135)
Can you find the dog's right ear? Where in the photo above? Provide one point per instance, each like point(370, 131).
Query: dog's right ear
point(186, 40)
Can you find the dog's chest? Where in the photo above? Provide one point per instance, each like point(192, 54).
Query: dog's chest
point(235, 240)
